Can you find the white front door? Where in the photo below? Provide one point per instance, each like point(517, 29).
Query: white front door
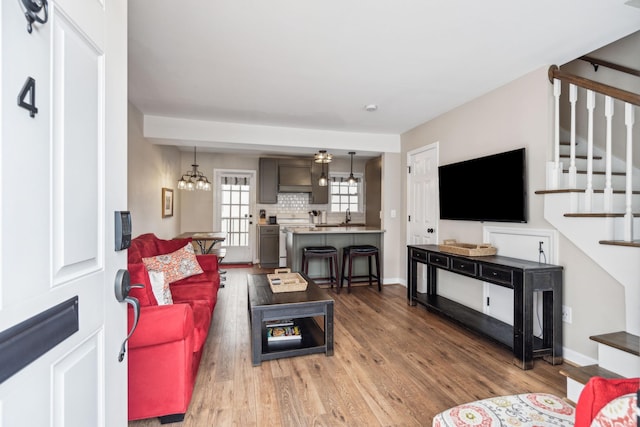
point(422, 202)
point(63, 136)
point(233, 210)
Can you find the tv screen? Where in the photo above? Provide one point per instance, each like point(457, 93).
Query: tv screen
point(491, 188)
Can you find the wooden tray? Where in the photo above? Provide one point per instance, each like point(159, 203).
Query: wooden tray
point(467, 249)
point(288, 281)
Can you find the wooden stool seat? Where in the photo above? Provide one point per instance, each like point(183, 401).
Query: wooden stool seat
point(323, 252)
point(354, 251)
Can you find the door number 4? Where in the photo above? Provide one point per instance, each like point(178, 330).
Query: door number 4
point(28, 90)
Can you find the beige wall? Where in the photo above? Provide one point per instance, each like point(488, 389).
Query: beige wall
point(513, 116)
point(150, 168)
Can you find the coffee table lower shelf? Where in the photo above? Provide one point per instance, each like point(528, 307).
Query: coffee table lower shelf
point(312, 342)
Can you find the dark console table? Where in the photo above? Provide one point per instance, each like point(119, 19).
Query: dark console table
point(524, 277)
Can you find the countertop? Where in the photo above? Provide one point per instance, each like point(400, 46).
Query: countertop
point(334, 230)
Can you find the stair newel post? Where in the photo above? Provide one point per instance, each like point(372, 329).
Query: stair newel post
point(608, 190)
point(573, 97)
point(591, 105)
point(555, 172)
point(629, 120)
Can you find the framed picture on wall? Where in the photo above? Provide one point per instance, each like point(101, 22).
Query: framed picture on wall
point(167, 202)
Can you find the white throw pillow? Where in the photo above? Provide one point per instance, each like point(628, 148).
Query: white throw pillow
point(160, 289)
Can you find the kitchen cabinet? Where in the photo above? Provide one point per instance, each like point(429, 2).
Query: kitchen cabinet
point(268, 180)
point(269, 245)
point(319, 195)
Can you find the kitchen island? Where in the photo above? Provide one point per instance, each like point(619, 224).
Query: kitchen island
point(338, 237)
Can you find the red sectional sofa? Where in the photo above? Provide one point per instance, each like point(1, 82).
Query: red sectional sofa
point(166, 347)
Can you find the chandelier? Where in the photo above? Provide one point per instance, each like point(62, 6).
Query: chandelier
point(194, 179)
point(322, 157)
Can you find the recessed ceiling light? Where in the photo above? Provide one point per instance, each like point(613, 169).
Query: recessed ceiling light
point(371, 107)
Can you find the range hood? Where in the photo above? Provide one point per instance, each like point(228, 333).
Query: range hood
point(294, 179)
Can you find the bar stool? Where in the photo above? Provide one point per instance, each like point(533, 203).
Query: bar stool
point(323, 252)
point(351, 252)
point(220, 253)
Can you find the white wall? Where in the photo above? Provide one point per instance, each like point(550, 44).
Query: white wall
point(519, 115)
point(149, 169)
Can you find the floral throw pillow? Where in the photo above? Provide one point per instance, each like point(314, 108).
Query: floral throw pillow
point(176, 265)
point(160, 288)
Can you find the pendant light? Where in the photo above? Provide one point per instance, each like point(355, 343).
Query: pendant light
point(352, 180)
point(323, 157)
point(194, 179)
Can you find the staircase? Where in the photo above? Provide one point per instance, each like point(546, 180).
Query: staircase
point(593, 199)
point(618, 357)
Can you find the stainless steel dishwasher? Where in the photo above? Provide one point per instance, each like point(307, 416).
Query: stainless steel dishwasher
point(269, 245)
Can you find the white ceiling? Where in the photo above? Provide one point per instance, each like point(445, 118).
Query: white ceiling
point(316, 64)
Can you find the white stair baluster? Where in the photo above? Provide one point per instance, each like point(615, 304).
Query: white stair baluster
point(608, 189)
point(555, 172)
point(573, 97)
point(591, 104)
point(629, 120)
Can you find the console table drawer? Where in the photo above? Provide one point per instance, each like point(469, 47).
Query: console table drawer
point(440, 260)
point(463, 266)
point(496, 274)
point(419, 255)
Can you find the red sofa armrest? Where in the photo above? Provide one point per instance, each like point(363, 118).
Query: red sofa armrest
point(208, 262)
point(160, 324)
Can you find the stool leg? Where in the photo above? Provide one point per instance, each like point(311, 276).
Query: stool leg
point(334, 262)
point(344, 264)
point(305, 264)
point(378, 272)
point(369, 260)
point(350, 273)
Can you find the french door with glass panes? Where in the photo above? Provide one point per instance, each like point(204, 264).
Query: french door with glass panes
point(235, 193)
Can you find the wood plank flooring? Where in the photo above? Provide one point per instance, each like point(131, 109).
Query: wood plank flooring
point(394, 365)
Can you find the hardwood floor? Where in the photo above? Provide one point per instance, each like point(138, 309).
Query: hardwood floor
point(394, 365)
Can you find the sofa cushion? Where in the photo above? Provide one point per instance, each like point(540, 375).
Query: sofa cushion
point(160, 287)
point(175, 265)
point(139, 276)
point(597, 393)
point(203, 291)
point(620, 412)
point(142, 246)
point(172, 245)
point(201, 323)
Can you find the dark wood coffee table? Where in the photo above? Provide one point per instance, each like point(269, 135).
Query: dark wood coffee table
point(302, 307)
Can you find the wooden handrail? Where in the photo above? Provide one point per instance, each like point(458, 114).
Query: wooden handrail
point(595, 62)
point(621, 94)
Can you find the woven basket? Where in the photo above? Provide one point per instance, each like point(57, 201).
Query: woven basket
point(288, 281)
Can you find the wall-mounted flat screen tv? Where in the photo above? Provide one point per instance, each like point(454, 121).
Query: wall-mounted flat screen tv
point(490, 188)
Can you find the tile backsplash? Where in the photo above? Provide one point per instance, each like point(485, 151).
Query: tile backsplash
point(296, 205)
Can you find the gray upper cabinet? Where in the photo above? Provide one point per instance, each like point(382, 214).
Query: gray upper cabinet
point(319, 195)
point(292, 175)
point(268, 181)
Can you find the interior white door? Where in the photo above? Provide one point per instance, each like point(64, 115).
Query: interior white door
point(422, 202)
point(59, 145)
point(234, 207)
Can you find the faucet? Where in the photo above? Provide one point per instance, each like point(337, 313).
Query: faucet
point(347, 216)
